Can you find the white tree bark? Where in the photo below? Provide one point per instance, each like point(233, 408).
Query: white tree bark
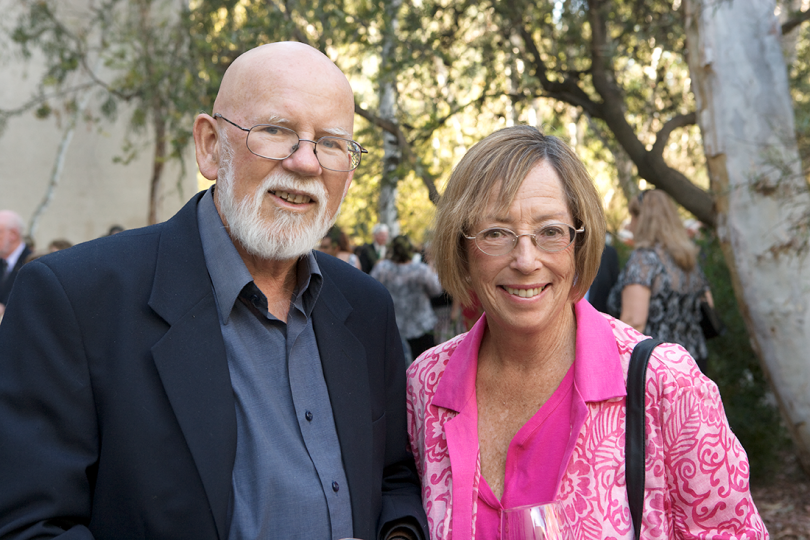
point(59, 162)
point(746, 116)
point(388, 100)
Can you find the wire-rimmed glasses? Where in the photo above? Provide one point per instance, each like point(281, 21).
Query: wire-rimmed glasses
point(550, 238)
point(276, 142)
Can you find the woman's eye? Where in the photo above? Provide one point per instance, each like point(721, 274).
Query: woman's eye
point(552, 231)
point(495, 234)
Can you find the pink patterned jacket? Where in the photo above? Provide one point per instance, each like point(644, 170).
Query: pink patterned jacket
point(696, 470)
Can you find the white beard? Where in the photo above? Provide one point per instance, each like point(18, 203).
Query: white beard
point(283, 236)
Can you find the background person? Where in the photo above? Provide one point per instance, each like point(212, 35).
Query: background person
point(659, 290)
point(605, 279)
point(59, 244)
point(336, 244)
point(529, 406)
point(411, 284)
point(13, 252)
point(369, 254)
point(211, 377)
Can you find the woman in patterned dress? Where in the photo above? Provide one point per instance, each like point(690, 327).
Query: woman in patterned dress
point(659, 291)
point(529, 405)
point(412, 284)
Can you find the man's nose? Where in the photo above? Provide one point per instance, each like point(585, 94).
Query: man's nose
point(303, 160)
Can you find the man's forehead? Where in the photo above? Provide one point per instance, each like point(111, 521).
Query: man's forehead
point(290, 85)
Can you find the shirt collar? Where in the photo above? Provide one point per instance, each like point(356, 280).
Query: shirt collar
point(228, 272)
point(13, 257)
point(597, 368)
point(598, 373)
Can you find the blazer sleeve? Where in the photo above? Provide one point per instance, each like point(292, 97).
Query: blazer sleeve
point(401, 492)
point(49, 444)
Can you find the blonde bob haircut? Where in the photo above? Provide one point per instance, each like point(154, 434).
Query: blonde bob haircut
point(499, 163)
point(658, 222)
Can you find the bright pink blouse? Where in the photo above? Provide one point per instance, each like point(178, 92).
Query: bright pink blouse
point(533, 461)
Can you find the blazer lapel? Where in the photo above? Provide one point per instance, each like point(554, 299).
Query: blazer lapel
point(343, 359)
point(191, 358)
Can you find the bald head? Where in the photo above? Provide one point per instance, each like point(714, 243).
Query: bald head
point(286, 67)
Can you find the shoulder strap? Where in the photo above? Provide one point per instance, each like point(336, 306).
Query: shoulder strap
point(635, 437)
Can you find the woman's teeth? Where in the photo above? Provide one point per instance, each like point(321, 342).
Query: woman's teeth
point(525, 293)
point(295, 198)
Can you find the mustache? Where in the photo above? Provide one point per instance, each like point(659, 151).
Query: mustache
point(288, 182)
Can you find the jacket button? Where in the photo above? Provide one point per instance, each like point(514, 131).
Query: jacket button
point(308, 416)
point(335, 487)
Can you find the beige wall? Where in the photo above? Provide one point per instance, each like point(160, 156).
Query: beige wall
point(94, 192)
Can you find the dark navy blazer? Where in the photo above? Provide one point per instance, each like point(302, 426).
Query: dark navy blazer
point(116, 409)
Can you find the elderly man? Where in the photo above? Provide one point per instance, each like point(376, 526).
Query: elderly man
point(369, 254)
point(212, 377)
point(13, 252)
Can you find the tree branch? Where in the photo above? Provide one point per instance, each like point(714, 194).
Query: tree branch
point(41, 98)
point(671, 125)
point(568, 90)
point(415, 163)
point(795, 19)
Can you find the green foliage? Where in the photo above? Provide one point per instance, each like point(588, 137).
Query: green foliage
point(749, 403)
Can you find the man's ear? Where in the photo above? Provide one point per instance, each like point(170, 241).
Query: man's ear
point(206, 144)
point(348, 183)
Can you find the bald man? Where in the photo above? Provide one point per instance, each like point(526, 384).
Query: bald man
point(13, 252)
point(212, 376)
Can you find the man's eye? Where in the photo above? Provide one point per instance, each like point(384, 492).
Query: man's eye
point(271, 130)
point(332, 144)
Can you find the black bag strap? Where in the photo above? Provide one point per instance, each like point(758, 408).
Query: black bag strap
point(635, 438)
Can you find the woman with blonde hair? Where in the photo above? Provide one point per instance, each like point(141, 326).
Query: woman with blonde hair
point(659, 291)
point(529, 406)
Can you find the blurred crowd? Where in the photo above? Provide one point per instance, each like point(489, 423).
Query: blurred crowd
point(661, 292)
point(17, 249)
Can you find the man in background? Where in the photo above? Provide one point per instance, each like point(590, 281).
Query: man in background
point(212, 377)
point(605, 279)
point(369, 254)
point(13, 252)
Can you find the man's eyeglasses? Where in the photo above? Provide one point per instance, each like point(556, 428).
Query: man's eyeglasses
point(550, 238)
point(276, 142)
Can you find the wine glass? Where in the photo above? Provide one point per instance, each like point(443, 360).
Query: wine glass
point(535, 522)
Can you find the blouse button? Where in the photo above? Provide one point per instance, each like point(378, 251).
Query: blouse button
point(308, 416)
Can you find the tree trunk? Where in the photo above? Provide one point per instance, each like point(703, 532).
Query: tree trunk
point(388, 98)
point(59, 162)
point(763, 205)
point(158, 161)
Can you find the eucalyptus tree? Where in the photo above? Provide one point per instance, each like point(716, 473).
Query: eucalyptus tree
point(763, 197)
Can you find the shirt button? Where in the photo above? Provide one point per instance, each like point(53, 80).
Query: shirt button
point(335, 487)
point(308, 416)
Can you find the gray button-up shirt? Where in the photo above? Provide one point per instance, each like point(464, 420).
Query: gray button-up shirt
point(288, 477)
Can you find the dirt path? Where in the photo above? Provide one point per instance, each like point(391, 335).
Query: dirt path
point(784, 503)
